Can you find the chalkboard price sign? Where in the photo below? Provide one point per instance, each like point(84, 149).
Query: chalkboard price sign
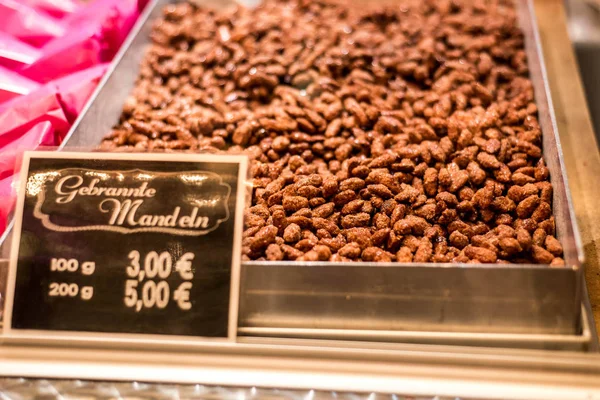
point(127, 244)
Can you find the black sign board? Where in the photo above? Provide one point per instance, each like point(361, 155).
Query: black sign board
point(127, 244)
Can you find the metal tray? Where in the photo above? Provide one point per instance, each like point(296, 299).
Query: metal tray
point(521, 305)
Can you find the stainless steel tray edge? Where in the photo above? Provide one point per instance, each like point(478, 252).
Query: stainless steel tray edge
point(582, 342)
point(585, 341)
point(548, 118)
point(395, 297)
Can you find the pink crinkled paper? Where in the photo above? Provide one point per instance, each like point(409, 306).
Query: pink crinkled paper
point(13, 85)
point(82, 50)
point(39, 134)
point(74, 90)
point(14, 54)
point(95, 34)
point(28, 24)
point(56, 8)
point(53, 53)
point(7, 200)
point(111, 19)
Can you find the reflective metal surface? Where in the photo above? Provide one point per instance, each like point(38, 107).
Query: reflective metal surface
point(392, 297)
point(417, 370)
point(18, 388)
point(405, 304)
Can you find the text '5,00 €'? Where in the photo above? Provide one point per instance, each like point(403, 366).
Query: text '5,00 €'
point(149, 288)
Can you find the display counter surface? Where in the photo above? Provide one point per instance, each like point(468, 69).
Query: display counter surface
point(406, 368)
point(579, 144)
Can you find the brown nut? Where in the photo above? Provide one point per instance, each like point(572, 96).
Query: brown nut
point(481, 254)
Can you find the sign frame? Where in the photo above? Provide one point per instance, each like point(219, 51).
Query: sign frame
point(9, 332)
